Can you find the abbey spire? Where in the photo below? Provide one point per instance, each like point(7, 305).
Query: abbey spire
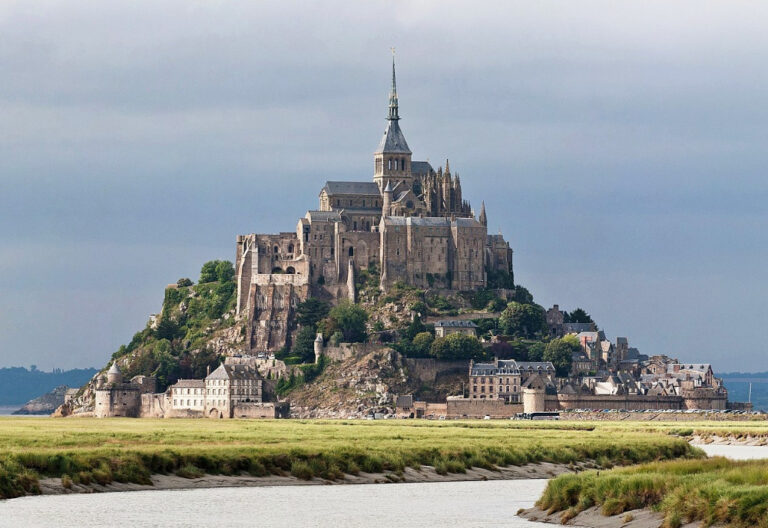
point(392, 160)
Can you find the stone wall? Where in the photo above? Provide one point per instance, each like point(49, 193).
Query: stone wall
point(427, 370)
point(627, 401)
point(350, 350)
point(458, 408)
point(121, 399)
point(261, 410)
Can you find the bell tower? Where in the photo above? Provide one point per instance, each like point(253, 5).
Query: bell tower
point(392, 160)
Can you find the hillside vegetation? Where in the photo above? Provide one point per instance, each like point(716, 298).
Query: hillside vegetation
point(88, 450)
point(181, 343)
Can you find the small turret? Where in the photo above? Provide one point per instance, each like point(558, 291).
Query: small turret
point(114, 375)
point(318, 347)
point(352, 294)
point(387, 200)
point(483, 218)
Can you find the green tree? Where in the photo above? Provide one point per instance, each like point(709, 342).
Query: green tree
point(414, 328)
point(536, 351)
point(349, 319)
point(225, 271)
point(184, 282)
point(560, 353)
point(208, 272)
point(522, 320)
point(522, 295)
point(579, 315)
point(311, 312)
point(304, 344)
point(201, 361)
point(422, 343)
point(167, 366)
point(167, 328)
point(457, 346)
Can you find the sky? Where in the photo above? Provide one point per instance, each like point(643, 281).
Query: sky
point(619, 146)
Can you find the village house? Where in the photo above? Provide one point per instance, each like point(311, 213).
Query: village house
point(447, 327)
point(503, 379)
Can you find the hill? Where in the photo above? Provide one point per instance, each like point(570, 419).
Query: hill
point(19, 384)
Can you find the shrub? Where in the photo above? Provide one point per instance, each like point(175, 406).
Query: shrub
point(523, 320)
point(457, 346)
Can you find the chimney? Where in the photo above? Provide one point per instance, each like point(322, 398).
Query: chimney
point(207, 371)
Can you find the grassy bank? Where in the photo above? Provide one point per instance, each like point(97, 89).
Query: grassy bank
point(712, 491)
point(128, 450)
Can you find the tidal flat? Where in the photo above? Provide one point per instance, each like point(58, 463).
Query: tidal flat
point(91, 454)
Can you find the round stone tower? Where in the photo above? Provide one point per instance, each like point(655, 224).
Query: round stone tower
point(318, 347)
point(114, 375)
point(533, 400)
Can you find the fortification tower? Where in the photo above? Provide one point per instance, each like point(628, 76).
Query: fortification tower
point(114, 375)
point(392, 160)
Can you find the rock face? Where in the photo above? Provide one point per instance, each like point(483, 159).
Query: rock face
point(363, 385)
point(45, 404)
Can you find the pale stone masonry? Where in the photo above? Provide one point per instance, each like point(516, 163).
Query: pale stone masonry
point(229, 386)
point(411, 223)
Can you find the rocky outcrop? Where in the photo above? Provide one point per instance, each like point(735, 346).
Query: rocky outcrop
point(363, 385)
point(45, 404)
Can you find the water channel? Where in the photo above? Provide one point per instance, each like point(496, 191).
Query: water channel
point(446, 504)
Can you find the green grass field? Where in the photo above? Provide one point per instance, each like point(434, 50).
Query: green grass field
point(714, 491)
point(83, 450)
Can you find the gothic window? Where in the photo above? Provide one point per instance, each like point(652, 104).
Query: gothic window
point(354, 225)
point(290, 248)
point(351, 251)
point(402, 165)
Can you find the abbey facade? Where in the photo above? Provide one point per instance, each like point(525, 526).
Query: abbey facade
point(410, 223)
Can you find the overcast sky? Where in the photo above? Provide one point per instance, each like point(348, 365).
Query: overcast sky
point(620, 147)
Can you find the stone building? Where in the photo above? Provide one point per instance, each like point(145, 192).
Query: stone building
point(229, 386)
point(187, 395)
point(114, 397)
point(504, 378)
point(454, 326)
point(410, 223)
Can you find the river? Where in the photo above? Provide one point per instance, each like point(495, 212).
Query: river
point(444, 504)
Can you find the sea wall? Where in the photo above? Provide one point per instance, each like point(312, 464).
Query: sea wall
point(457, 408)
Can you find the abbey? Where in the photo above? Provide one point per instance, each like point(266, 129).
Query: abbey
point(410, 223)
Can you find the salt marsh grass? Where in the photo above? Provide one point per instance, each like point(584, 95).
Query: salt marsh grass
point(87, 450)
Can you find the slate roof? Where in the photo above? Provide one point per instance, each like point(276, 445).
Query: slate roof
point(233, 372)
point(189, 384)
point(467, 222)
point(393, 140)
point(577, 328)
point(452, 323)
point(351, 187)
point(324, 216)
point(421, 167)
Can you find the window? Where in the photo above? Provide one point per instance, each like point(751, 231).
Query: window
point(351, 251)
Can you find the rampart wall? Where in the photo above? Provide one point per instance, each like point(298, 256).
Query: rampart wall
point(457, 408)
